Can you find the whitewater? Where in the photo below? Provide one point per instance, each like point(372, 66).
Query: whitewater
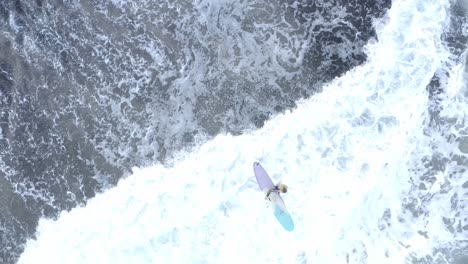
point(350, 156)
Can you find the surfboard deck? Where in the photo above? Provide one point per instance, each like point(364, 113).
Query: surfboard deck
point(276, 202)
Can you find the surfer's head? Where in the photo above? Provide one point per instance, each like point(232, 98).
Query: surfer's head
point(282, 187)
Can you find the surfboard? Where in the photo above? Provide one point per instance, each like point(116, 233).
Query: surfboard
point(275, 201)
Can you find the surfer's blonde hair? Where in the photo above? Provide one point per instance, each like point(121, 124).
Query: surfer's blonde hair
point(282, 187)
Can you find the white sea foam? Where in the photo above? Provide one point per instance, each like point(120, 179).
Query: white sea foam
point(346, 155)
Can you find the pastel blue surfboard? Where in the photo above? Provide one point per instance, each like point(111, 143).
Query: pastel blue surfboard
point(276, 202)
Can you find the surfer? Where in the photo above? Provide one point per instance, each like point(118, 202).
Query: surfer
point(280, 188)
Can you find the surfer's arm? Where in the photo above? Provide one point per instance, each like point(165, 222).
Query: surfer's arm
point(269, 192)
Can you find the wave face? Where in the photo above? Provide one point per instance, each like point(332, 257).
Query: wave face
point(89, 89)
point(376, 163)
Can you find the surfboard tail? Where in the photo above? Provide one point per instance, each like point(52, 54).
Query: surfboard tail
point(284, 218)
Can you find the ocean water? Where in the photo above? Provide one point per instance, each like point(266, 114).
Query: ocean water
point(90, 89)
point(369, 131)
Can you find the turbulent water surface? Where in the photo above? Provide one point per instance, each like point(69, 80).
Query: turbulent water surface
point(375, 153)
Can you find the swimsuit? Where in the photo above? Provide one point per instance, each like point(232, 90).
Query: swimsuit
point(270, 191)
